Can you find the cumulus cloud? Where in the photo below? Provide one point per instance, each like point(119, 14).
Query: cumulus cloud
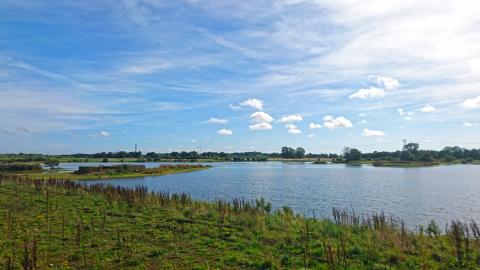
point(387, 83)
point(471, 103)
point(314, 125)
point(468, 124)
point(310, 135)
point(293, 129)
point(368, 93)
point(291, 118)
point(428, 109)
point(224, 132)
point(260, 126)
point(372, 133)
point(339, 122)
point(214, 120)
point(252, 102)
point(261, 117)
point(104, 133)
point(262, 121)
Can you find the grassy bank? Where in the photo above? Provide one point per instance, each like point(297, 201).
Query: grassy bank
point(161, 170)
point(405, 164)
point(63, 224)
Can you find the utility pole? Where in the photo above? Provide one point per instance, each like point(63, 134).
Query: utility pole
point(135, 148)
point(404, 143)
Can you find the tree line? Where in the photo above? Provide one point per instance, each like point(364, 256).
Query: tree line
point(410, 152)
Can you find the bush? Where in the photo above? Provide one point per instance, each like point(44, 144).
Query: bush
point(13, 167)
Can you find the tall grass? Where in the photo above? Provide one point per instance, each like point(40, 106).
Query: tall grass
point(56, 223)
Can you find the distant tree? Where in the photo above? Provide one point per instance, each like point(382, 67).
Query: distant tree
point(105, 160)
point(407, 156)
point(288, 152)
point(300, 152)
point(426, 157)
point(151, 155)
point(351, 154)
point(51, 163)
point(411, 147)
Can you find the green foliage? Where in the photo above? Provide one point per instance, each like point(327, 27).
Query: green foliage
point(351, 154)
point(15, 167)
point(61, 224)
point(288, 152)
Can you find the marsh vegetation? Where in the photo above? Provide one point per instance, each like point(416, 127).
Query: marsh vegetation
point(56, 223)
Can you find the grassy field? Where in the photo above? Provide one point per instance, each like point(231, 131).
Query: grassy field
point(59, 224)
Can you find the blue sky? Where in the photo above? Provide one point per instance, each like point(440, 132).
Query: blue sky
point(90, 76)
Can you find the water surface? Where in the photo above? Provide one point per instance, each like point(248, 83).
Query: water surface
point(416, 195)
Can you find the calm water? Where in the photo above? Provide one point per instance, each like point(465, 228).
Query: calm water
point(416, 195)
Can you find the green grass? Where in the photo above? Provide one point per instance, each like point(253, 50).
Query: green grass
point(405, 164)
point(61, 224)
point(161, 170)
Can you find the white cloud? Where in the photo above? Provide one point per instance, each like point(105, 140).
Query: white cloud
point(261, 117)
point(361, 122)
point(314, 125)
point(361, 114)
point(293, 129)
point(225, 132)
point(214, 120)
point(471, 103)
point(406, 115)
point(260, 126)
point(194, 141)
point(468, 124)
point(368, 93)
point(339, 122)
point(388, 83)
point(104, 133)
point(310, 135)
point(234, 107)
point(428, 109)
point(372, 133)
point(252, 102)
point(291, 118)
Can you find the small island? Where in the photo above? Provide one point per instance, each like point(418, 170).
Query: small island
point(99, 172)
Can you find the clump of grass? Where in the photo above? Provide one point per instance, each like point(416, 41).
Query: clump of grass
point(57, 223)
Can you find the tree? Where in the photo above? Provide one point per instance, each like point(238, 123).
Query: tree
point(51, 163)
point(411, 147)
point(407, 156)
point(351, 154)
point(426, 157)
point(300, 152)
point(288, 152)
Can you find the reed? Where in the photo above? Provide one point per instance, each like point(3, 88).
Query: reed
point(57, 223)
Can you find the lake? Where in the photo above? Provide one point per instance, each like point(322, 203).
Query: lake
point(415, 195)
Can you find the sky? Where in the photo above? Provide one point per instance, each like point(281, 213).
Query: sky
point(91, 76)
